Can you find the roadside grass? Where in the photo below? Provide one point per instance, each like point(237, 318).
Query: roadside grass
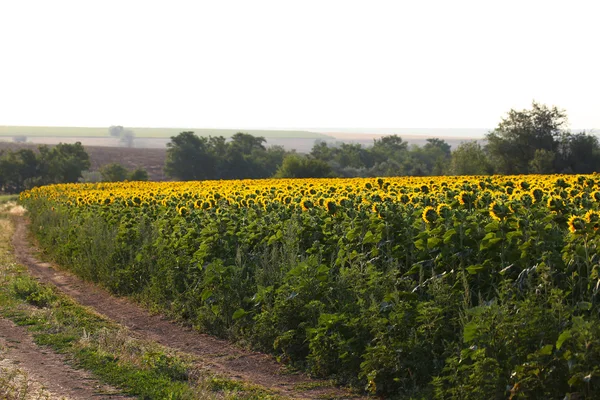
point(138, 367)
point(15, 383)
point(5, 198)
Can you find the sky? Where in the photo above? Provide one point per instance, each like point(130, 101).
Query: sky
point(296, 64)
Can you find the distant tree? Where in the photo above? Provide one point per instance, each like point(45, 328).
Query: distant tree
point(139, 174)
point(241, 157)
point(469, 158)
point(62, 163)
point(542, 162)
point(513, 144)
point(431, 159)
point(116, 131)
point(389, 148)
point(578, 153)
point(297, 166)
point(90, 177)
point(18, 170)
point(126, 136)
point(114, 172)
point(189, 157)
point(23, 169)
point(322, 151)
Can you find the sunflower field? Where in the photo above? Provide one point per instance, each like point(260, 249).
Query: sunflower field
point(436, 287)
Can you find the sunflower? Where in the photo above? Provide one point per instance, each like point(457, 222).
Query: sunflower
point(576, 224)
point(183, 211)
point(444, 210)
point(498, 211)
point(593, 219)
point(429, 214)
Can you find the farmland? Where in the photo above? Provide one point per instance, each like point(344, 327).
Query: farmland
point(165, 133)
point(422, 287)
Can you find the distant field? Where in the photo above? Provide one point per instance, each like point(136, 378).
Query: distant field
point(152, 160)
point(39, 131)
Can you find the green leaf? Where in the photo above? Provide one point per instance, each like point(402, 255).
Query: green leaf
point(448, 235)
point(546, 350)
point(416, 268)
point(369, 238)
point(206, 293)
point(514, 234)
point(475, 269)
point(420, 244)
point(584, 305)
point(470, 331)
point(561, 339)
point(433, 242)
point(492, 227)
point(239, 313)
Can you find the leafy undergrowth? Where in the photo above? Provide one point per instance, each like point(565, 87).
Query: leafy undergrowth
point(140, 368)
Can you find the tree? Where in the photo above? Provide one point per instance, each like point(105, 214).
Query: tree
point(389, 148)
point(469, 158)
point(126, 136)
point(189, 157)
point(512, 145)
point(297, 166)
point(62, 163)
point(18, 170)
point(24, 169)
point(241, 157)
point(139, 174)
point(114, 172)
point(578, 154)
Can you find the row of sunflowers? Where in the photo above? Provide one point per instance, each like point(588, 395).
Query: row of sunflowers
point(391, 284)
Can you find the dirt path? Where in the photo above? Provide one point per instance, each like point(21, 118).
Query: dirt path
point(43, 373)
point(218, 355)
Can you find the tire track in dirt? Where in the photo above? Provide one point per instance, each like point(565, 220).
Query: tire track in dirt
point(50, 370)
point(214, 354)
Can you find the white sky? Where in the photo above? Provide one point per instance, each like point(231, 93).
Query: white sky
point(296, 64)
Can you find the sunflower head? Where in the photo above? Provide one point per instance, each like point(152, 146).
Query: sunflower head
point(576, 224)
point(331, 206)
point(306, 204)
point(444, 210)
point(555, 204)
point(429, 215)
point(538, 194)
point(593, 219)
point(526, 199)
point(183, 211)
point(498, 210)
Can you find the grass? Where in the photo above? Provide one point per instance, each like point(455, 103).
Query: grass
point(15, 383)
point(138, 367)
point(5, 198)
point(12, 131)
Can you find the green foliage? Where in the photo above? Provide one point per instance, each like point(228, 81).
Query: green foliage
point(489, 297)
point(297, 166)
point(31, 291)
point(138, 174)
point(469, 158)
point(113, 172)
point(140, 368)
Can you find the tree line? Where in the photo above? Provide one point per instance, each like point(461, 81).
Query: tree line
point(23, 169)
point(529, 141)
point(64, 163)
point(524, 142)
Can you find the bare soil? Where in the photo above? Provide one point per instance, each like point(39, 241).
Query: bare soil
point(48, 374)
point(217, 355)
